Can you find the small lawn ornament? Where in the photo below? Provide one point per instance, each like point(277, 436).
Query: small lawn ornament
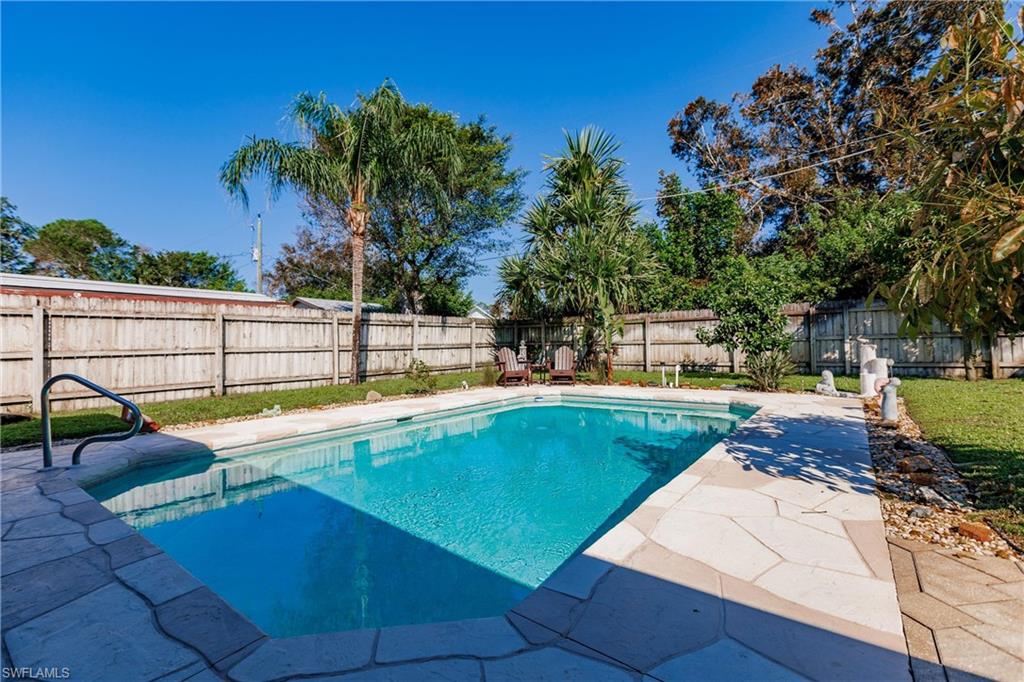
point(148, 425)
point(827, 385)
point(890, 409)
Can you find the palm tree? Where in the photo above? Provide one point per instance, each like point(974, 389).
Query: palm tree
point(584, 256)
point(345, 158)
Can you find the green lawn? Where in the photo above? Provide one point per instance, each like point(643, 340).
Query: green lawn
point(793, 382)
point(81, 423)
point(980, 424)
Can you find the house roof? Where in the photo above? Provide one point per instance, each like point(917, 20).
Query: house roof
point(59, 286)
point(334, 304)
point(480, 310)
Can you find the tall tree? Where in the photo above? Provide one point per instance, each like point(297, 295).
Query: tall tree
point(85, 249)
point(191, 269)
point(318, 264)
point(968, 236)
point(584, 255)
point(697, 231)
point(422, 246)
point(14, 234)
point(861, 242)
point(347, 157)
point(818, 130)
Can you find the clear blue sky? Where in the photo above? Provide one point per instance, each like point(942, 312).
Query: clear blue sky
point(125, 112)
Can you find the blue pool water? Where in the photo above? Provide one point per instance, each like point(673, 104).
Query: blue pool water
point(449, 518)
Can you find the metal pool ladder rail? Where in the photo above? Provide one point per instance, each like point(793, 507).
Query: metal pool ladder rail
point(77, 455)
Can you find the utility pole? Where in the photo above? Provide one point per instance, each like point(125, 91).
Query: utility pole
point(257, 253)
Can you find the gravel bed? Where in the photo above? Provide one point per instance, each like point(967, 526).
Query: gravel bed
point(923, 496)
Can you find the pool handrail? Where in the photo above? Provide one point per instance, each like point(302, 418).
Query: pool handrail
point(76, 456)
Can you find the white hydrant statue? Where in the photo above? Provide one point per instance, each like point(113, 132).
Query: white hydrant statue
point(890, 408)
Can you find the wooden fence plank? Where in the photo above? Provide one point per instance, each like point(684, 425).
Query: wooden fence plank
point(158, 350)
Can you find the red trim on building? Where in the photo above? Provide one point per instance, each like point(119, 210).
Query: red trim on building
point(33, 291)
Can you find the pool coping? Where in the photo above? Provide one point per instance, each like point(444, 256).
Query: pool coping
point(772, 542)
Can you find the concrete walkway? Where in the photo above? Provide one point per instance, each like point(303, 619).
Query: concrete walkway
point(766, 559)
point(963, 614)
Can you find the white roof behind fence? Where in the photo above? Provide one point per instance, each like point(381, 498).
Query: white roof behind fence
point(334, 304)
point(12, 280)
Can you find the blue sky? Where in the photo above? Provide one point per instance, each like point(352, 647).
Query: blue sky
point(124, 112)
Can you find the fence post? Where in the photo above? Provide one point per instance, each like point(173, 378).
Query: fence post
point(993, 355)
point(218, 359)
point(415, 336)
point(335, 347)
point(847, 360)
point(472, 345)
point(39, 347)
point(647, 343)
point(812, 346)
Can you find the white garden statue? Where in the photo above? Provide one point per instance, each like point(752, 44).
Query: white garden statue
point(874, 371)
point(827, 385)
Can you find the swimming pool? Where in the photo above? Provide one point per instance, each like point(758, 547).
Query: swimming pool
point(432, 519)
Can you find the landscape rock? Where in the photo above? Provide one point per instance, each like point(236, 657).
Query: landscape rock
point(920, 512)
point(929, 496)
point(914, 464)
point(373, 397)
point(923, 479)
point(977, 531)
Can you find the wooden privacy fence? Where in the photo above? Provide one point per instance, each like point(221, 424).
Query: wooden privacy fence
point(163, 350)
point(151, 350)
point(825, 337)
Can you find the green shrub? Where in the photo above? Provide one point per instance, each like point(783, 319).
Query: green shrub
point(766, 369)
point(747, 302)
point(490, 377)
point(419, 373)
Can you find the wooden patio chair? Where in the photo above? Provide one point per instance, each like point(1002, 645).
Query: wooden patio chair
point(511, 368)
point(562, 368)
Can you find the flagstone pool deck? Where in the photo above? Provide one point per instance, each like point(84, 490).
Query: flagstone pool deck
point(766, 559)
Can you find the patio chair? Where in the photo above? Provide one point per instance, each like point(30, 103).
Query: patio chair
point(562, 368)
point(511, 368)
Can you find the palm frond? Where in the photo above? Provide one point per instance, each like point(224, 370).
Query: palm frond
point(283, 164)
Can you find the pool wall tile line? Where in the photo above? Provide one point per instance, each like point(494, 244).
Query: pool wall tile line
point(759, 561)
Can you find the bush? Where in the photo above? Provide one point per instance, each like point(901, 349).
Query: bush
point(767, 369)
point(419, 373)
point(490, 377)
point(747, 302)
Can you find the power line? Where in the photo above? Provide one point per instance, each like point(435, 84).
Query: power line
point(823, 162)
